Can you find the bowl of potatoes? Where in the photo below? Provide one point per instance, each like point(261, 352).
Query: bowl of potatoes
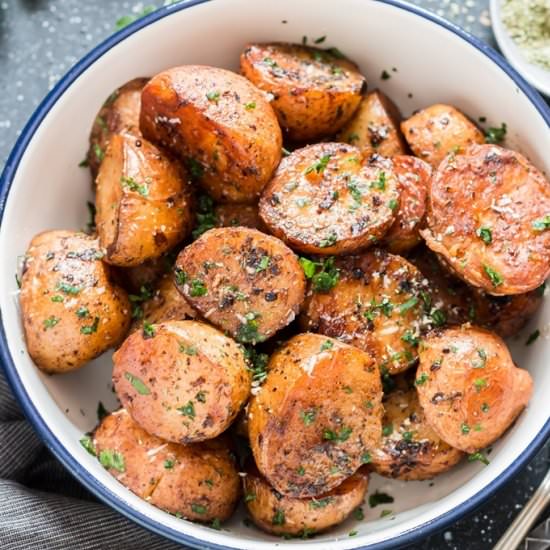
point(294, 293)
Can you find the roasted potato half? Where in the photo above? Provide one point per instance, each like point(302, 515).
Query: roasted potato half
point(438, 130)
point(219, 124)
point(374, 127)
point(197, 482)
point(489, 219)
point(245, 282)
point(278, 514)
point(183, 381)
point(143, 202)
point(72, 310)
point(317, 415)
point(315, 92)
point(118, 115)
point(410, 449)
point(328, 199)
point(379, 303)
point(469, 388)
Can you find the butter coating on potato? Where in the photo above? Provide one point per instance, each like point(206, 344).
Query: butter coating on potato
point(219, 124)
point(276, 513)
point(143, 202)
point(247, 283)
point(316, 417)
point(489, 220)
point(315, 92)
point(469, 388)
point(72, 310)
point(329, 199)
point(183, 381)
point(197, 482)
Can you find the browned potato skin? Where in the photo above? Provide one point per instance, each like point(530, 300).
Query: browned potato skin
point(469, 400)
point(237, 147)
point(196, 380)
point(228, 263)
point(314, 92)
point(238, 215)
point(341, 385)
point(300, 207)
point(374, 127)
point(438, 130)
point(202, 476)
point(489, 186)
point(412, 451)
point(344, 311)
point(301, 515)
point(136, 224)
point(414, 176)
point(118, 115)
point(73, 259)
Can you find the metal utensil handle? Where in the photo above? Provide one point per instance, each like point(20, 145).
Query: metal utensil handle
point(520, 526)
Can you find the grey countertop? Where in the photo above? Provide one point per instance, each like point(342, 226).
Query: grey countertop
point(41, 39)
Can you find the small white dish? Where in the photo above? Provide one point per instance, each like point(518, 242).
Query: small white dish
point(535, 75)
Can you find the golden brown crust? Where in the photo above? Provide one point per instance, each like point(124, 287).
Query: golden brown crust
point(218, 123)
point(410, 449)
point(487, 213)
point(374, 127)
point(197, 482)
point(143, 202)
point(314, 91)
point(245, 282)
point(316, 415)
point(328, 199)
point(469, 388)
point(438, 130)
point(118, 115)
point(72, 311)
point(414, 176)
point(379, 304)
point(183, 381)
point(283, 515)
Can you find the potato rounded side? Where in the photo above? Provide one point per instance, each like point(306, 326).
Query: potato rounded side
point(219, 124)
point(72, 310)
point(316, 417)
point(143, 202)
point(197, 482)
point(183, 381)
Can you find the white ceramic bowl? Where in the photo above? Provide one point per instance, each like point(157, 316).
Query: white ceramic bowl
point(43, 188)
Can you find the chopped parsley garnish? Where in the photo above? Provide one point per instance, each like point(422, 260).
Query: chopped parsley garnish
point(542, 223)
point(197, 289)
point(308, 416)
point(393, 204)
point(355, 192)
point(137, 299)
point(352, 533)
point(257, 364)
point(532, 337)
point(353, 137)
point(187, 410)
point(213, 96)
point(98, 152)
point(480, 364)
point(112, 459)
point(379, 498)
point(366, 458)
point(201, 397)
point(248, 497)
point(408, 305)
point(301, 471)
point(385, 513)
point(320, 503)
point(320, 40)
point(199, 508)
point(308, 266)
point(358, 514)
point(278, 517)
point(101, 412)
point(125, 20)
point(148, 330)
point(216, 524)
point(319, 166)
point(67, 288)
point(408, 436)
point(485, 407)
point(83, 163)
point(82, 312)
point(326, 278)
point(485, 234)
point(380, 182)
point(137, 383)
point(494, 276)
point(263, 264)
point(478, 457)
point(422, 379)
point(90, 329)
point(480, 383)
point(180, 276)
point(385, 307)
point(169, 463)
point(464, 428)
point(88, 443)
point(387, 430)
point(57, 298)
point(385, 75)
point(50, 322)
point(248, 331)
point(188, 350)
point(135, 186)
point(341, 436)
point(196, 169)
point(496, 135)
point(206, 219)
point(327, 344)
point(250, 106)
point(438, 317)
point(335, 52)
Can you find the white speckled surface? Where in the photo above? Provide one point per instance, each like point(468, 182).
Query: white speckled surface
point(40, 40)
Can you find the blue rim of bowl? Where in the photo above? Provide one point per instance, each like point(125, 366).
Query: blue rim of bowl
point(33, 415)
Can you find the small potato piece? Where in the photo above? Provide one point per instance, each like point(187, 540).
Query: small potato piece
point(374, 127)
point(489, 220)
point(410, 449)
point(147, 274)
point(315, 92)
point(283, 515)
point(245, 282)
point(436, 131)
point(469, 388)
point(219, 124)
point(183, 381)
point(143, 202)
point(316, 416)
point(379, 304)
point(237, 215)
point(198, 481)
point(118, 115)
point(414, 176)
point(72, 311)
point(328, 199)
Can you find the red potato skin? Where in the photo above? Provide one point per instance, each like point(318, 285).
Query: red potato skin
point(233, 150)
point(490, 187)
point(469, 388)
point(180, 488)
